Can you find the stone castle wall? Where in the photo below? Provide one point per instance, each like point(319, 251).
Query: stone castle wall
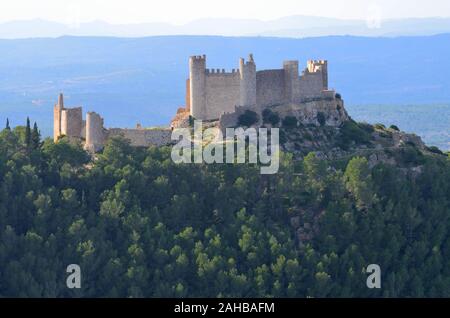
point(214, 92)
point(270, 88)
point(222, 92)
point(311, 84)
point(143, 137)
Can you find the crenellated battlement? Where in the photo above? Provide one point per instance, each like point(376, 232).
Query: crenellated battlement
point(214, 91)
point(213, 71)
point(198, 57)
point(249, 62)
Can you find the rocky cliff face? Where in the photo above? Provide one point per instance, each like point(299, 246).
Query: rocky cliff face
point(319, 112)
point(181, 119)
point(377, 143)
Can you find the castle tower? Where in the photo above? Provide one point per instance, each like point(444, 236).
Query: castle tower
point(72, 122)
point(321, 66)
point(197, 82)
point(94, 132)
point(291, 80)
point(248, 82)
point(57, 110)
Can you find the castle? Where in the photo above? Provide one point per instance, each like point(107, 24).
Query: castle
point(214, 92)
point(216, 95)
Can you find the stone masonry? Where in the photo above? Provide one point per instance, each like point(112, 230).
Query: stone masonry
point(217, 95)
point(213, 92)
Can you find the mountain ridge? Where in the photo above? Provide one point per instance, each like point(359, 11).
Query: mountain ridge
point(296, 26)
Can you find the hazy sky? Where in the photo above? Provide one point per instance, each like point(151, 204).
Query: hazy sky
point(181, 11)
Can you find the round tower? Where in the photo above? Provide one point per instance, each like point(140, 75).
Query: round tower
point(94, 132)
point(248, 82)
point(197, 81)
point(64, 122)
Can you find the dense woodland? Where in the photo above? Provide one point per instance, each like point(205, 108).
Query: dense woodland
point(140, 226)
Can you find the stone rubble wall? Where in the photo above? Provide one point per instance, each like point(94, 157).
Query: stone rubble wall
point(143, 137)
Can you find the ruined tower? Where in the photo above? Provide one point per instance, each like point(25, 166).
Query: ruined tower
point(72, 122)
point(57, 110)
point(197, 78)
point(94, 132)
point(67, 121)
point(247, 72)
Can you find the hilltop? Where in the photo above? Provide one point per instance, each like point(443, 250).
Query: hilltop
point(142, 79)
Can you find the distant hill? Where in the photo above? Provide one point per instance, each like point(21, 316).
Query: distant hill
point(291, 26)
point(132, 80)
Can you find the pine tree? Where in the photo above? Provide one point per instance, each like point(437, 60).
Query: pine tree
point(358, 181)
point(28, 134)
point(35, 137)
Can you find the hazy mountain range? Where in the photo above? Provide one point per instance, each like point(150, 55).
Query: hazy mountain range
point(131, 80)
point(292, 26)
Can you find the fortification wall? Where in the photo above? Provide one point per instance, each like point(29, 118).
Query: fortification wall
point(72, 122)
point(222, 93)
point(270, 87)
point(311, 84)
point(143, 137)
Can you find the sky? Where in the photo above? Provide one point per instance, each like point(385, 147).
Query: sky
point(182, 11)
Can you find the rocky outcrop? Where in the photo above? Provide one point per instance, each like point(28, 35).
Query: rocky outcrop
point(326, 110)
point(181, 119)
point(320, 112)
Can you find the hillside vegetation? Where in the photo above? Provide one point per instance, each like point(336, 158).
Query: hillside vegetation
point(140, 226)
